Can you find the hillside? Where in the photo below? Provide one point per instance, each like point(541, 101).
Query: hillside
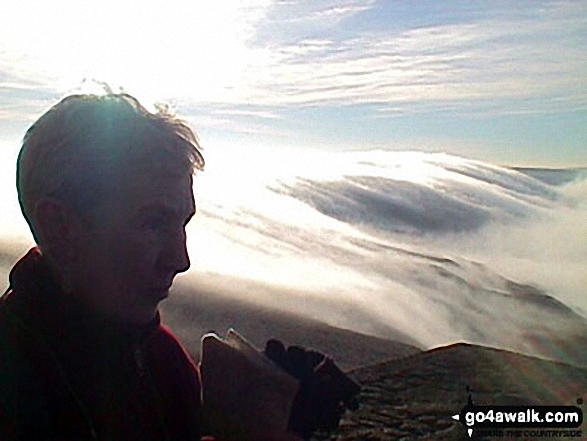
point(413, 398)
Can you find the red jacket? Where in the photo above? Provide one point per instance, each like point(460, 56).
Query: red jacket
point(66, 374)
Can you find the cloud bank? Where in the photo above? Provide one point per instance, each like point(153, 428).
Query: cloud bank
point(433, 246)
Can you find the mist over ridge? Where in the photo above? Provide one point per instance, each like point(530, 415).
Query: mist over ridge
point(432, 246)
point(437, 247)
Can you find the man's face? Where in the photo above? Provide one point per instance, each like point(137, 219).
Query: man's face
point(136, 246)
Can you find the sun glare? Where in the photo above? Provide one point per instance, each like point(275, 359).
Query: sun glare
point(182, 48)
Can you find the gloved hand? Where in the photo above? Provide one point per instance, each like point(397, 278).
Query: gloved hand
point(325, 391)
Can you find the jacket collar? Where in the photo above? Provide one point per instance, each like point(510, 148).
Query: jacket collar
point(37, 299)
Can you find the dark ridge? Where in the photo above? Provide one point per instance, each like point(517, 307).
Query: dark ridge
point(377, 246)
point(380, 203)
point(534, 295)
point(553, 176)
point(413, 398)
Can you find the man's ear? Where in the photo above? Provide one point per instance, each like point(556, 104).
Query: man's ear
point(58, 226)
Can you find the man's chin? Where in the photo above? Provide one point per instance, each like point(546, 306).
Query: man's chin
point(155, 295)
point(143, 317)
point(161, 294)
point(149, 309)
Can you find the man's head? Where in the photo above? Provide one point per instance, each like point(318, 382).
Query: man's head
point(106, 187)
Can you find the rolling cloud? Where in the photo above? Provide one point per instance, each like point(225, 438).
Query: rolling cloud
point(433, 246)
point(429, 245)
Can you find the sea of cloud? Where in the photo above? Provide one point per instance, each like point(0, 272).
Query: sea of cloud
point(429, 246)
point(437, 247)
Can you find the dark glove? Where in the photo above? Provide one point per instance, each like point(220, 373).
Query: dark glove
point(325, 391)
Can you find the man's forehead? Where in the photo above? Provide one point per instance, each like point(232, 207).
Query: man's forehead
point(161, 191)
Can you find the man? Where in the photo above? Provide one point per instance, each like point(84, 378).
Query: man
point(106, 188)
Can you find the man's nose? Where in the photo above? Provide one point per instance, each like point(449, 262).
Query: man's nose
point(177, 257)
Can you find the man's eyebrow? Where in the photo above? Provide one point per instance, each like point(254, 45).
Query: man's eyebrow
point(158, 208)
point(164, 210)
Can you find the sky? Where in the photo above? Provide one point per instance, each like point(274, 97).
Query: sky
point(499, 81)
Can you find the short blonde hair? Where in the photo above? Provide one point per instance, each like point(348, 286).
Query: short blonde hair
point(77, 148)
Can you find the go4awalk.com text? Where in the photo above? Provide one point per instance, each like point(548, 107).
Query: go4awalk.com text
point(522, 421)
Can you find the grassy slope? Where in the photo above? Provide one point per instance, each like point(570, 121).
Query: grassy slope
point(413, 398)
